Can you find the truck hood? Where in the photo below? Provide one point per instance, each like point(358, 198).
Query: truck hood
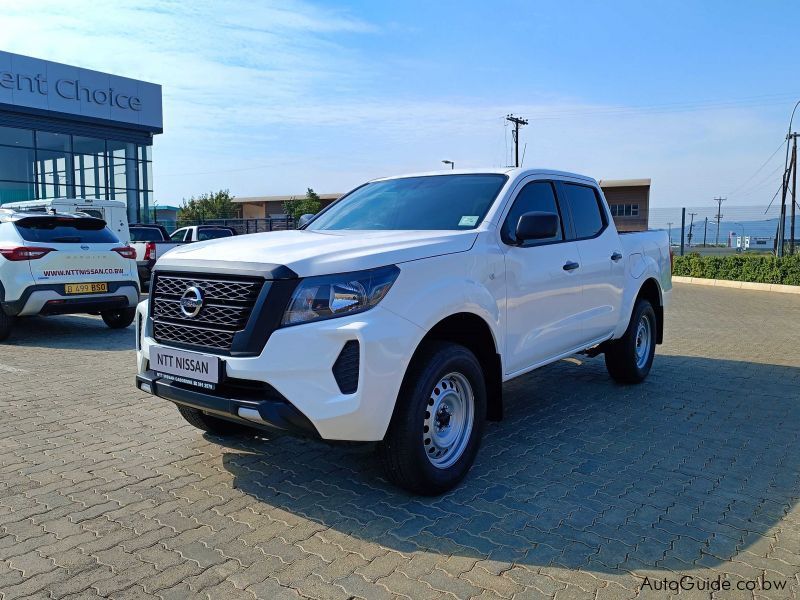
point(309, 253)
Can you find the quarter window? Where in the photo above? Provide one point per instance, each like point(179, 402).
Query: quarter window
point(537, 196)
point(584, 204)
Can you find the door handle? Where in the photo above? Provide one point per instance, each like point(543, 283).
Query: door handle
point(570, 266)
point(616, 257)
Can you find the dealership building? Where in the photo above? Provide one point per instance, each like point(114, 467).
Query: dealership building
point(71, 132)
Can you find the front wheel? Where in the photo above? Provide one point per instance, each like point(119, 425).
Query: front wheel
point(438, 422)
point(630, 358)
point(118, 319)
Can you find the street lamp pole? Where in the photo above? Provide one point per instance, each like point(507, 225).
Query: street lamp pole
point(451, 163)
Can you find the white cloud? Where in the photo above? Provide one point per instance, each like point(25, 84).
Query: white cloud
point(278, 86)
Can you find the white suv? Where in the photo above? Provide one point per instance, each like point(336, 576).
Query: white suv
point(64, 264)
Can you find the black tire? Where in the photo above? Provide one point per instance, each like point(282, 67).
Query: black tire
point(623, 362)
point(119, 319)
point(6, 325)
point(403, 450)
point(211, 424)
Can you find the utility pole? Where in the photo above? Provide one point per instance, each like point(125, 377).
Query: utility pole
point(705, 232)
point(794, 190)
point(518, 122)
point(683, 227)
point(719, 200)
point(669, 228)
point(691, 225)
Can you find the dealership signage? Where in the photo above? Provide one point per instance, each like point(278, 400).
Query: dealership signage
point(71, 89)
point(45, 85)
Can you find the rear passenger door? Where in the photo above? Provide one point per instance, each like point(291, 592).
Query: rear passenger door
point(543, 292)
point(602, 267)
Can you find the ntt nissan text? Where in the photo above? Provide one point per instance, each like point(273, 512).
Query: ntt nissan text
point(396, 314)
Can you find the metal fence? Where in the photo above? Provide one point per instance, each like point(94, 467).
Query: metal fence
point(242, 226)
point(725, 229)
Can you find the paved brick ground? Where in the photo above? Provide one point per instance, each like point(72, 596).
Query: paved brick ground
point(582, 492)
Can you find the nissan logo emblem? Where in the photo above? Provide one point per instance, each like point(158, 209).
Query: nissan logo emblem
point(192, 302)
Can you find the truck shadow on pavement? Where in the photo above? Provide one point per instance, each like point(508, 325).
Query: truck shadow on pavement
point(684, 471)
point(73, 332)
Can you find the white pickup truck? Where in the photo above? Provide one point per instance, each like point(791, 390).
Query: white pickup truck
point(398, 312)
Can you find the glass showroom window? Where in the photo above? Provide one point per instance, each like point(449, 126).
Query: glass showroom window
point(17, 162)
point(42, 164)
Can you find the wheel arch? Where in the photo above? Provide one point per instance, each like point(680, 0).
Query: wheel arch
point(474, 333)
point(651, 291)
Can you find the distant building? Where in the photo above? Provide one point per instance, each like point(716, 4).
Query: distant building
point(164, 215)
point(629, 201)
point(263, 207)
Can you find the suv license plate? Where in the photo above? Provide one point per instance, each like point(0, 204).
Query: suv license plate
point(193, 368)
point(85, 288)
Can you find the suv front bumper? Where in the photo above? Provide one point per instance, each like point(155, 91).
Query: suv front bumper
point(298, 362)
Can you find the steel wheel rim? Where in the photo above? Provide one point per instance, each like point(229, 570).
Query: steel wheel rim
point(449, 418)
point(644, 339)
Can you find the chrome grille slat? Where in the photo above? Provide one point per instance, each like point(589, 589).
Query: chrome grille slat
point(228, 304)
point(213, 314)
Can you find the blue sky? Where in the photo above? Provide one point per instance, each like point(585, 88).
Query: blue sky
point(269, 98)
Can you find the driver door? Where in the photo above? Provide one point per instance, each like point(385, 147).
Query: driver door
point(543, 287)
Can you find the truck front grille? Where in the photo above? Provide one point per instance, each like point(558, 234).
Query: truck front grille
point(227, 306)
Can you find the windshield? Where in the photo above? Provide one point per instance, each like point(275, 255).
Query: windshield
point(449, 202)
point(146, 234)
point(213, 234)
point(65, 230)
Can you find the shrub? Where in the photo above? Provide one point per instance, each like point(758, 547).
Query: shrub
point(758, 268)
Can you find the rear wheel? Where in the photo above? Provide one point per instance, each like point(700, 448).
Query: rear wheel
point(6, 325)
point(211, 424)
point(438, 422)
point(630, 358)
point(118, 319)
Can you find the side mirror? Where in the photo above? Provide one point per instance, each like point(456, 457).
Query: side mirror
point(303, 220)
point(536, 226)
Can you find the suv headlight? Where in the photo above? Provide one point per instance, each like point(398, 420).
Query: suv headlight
point(329, 296)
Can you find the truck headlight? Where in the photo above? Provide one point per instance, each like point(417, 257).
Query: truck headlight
point(329, 296)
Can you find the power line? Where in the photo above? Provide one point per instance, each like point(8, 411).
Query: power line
point(764, 164)
point(763, 181)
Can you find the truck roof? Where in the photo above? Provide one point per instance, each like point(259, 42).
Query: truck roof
point(513, 172)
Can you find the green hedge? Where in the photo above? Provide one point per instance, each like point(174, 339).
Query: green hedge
point(758, 268)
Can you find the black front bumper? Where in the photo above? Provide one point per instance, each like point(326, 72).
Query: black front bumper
point(274, 410)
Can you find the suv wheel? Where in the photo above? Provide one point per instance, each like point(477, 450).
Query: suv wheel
point(6, 325)
point(438, 422)
point(118, 319)
point(630, 358)
point(213, 425)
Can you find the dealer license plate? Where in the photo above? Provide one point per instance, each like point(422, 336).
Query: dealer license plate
point(85, 288)
point(193, 368)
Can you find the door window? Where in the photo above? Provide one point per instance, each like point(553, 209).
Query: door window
point(177, 236)
point(587, 216)
point(537, 196)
